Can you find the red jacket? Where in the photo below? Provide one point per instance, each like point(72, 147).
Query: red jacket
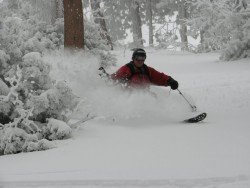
point(140, 79)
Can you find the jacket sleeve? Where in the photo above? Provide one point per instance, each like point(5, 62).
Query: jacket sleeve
point(121, 74)
point(158, 78)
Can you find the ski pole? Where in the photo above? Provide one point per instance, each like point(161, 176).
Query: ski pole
point(193, 107)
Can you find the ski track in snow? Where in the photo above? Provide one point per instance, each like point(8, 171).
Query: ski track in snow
point(227, 182)
point(133, 143)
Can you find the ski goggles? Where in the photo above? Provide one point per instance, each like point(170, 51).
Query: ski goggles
point(140, 58)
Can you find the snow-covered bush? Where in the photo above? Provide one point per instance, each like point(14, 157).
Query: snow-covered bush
point(4, 89)
point(4, 58)
point(5, 111)
point(16, 140)
point(22, 32)
point(54, 102)
point(34, 111)
point(58, 129)
point(35, 72)
point(34, 108)
point(20, 36)
point(19, 131)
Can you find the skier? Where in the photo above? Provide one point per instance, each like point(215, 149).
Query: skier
point(137, 74)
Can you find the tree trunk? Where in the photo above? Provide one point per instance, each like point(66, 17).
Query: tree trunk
point(202, 41)
point(150, 24)
point(136, 21)
point(99, 19)
point(183, 25)
point(73, 24)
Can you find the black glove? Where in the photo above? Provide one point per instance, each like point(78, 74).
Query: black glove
point(172, 83)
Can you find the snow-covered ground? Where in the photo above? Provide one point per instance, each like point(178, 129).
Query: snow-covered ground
point(138, 139)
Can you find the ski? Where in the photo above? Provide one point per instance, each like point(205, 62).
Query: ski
point(196, 119)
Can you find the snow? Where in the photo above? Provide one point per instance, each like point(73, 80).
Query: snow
point(4, 90)
point(59, 129)
point(137, 138)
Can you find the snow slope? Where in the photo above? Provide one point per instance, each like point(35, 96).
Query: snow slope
point(138, 139)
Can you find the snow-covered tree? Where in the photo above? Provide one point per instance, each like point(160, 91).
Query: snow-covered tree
point(123, 16)
point(48, 10)
point(223, 25)
point(181, 8)
point(136, 22)
point(99, 19)
point(239, 43)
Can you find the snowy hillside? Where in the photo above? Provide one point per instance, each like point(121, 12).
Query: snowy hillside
point(137, 139)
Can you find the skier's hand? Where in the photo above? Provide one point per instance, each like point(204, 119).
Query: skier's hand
point(172, 83)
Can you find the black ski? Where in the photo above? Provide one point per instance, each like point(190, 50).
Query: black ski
point(196, 119)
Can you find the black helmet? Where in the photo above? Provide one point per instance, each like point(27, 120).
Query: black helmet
point(139, 52)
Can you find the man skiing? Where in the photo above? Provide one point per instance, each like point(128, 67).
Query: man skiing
point(136, 74)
